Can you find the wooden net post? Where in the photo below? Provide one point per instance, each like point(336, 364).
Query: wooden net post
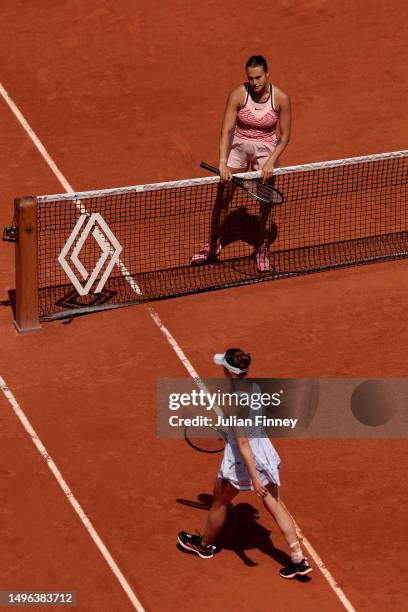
point(26, 317)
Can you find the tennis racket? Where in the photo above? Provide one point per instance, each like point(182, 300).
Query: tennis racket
point(206, 439)
point(263, 192)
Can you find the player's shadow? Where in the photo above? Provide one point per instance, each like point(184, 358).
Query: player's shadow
point(11, 301)
point(239, 224)
point(242, 532)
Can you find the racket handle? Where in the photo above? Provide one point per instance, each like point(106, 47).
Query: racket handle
point(210, 168)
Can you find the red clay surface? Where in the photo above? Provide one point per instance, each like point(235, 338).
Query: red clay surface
point(121, 93)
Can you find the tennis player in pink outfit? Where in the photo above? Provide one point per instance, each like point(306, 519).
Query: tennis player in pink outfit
point(249, 141)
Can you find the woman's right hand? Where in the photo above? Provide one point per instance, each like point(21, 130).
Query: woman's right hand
point(225, 174)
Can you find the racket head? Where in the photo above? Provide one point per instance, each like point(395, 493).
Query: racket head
point(206, 439)
point(264, 192)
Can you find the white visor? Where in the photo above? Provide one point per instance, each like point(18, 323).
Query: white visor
point(219, 359)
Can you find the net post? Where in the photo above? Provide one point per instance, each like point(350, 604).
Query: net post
point(26, 315)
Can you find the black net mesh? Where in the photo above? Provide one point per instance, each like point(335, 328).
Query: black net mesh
point(333, 216)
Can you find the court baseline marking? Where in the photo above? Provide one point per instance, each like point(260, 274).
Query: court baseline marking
point(70, 496)
point(186, 363)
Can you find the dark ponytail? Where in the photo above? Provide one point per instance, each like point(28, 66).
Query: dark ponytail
point(238, 359)
point(257, 60)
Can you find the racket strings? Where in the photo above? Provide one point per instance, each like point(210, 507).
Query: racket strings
point(263, 191)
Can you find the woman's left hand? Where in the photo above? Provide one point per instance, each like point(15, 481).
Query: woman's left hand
point(259, 488)
point(267, 171)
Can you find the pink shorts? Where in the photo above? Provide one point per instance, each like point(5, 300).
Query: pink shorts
point(249, 152)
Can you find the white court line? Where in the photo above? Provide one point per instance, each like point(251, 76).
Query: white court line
point(169, 337)
point(319, 562)
point(70, 496)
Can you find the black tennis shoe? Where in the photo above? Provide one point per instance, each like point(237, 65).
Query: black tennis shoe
point(192, 543)
point(296, 569)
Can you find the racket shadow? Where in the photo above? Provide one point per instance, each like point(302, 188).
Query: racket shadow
point(242, 532)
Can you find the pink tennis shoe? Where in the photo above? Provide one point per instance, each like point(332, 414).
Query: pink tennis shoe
point(210, 250)
point(262, 260)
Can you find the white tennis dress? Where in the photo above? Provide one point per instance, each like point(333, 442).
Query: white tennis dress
point(267, 460)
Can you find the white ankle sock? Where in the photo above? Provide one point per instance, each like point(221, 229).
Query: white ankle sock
point(296, 554)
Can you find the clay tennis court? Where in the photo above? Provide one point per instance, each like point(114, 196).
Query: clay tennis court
point(121, 93)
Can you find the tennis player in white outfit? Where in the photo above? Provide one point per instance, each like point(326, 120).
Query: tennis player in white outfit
point(249, 463)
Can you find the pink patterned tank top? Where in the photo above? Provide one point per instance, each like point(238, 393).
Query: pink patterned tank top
point(257, 120)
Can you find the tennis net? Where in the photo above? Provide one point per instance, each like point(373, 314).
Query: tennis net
point(109, 248)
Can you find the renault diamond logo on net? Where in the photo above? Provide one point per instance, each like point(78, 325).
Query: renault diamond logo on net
point(108, 243)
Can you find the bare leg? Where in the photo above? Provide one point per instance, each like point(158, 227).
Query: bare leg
point(225, 193)
point(264, 212)
point(284, 521)
point(224, 493)
point(263, 261)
